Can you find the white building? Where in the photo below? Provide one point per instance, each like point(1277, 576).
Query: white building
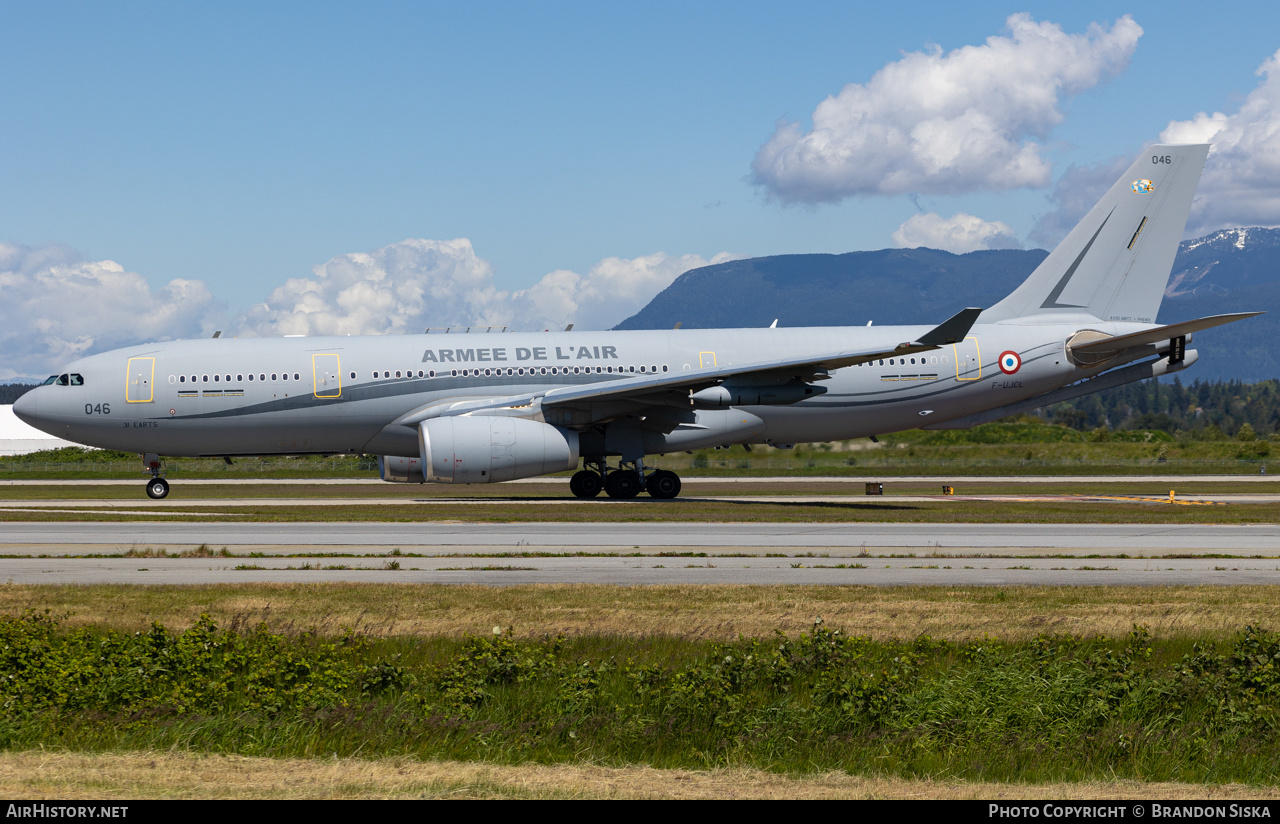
point(16, 438)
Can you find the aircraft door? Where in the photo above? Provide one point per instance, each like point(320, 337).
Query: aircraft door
point(139, 376)
point(326, 376)
point(968, 359)
point(707, 360)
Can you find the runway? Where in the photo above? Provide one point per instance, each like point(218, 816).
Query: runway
point(671, 553)
point(647, 570)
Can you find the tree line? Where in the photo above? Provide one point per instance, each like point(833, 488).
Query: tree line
point(1207, 410)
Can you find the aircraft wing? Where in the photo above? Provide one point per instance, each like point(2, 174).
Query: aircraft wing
point(637, 387)
point(806, 367)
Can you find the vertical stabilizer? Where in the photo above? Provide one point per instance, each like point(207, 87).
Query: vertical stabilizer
point(1115, 264)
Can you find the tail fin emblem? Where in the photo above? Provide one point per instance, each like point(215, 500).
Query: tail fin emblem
point(1143, 187)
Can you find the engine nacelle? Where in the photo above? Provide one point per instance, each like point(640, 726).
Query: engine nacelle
point(489, 449)
point(397, 470)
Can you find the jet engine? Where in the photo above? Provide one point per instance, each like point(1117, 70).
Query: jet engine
point(489, 449)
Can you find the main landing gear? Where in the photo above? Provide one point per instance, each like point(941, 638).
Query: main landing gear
point(157, 487)
point(624, 482)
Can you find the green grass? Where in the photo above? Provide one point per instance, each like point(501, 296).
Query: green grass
point(1054, 708)
point(1017, 447)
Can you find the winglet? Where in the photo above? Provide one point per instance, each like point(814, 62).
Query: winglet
point(951, 330)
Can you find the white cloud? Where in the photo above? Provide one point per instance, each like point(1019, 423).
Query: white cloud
point(611, 291)
point(945, 123)
point(409, 286)
point(1241, 182)
point(55, 307)
point(398, 289)
point(959, 233)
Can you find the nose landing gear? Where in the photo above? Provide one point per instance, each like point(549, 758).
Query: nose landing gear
point(157, 487)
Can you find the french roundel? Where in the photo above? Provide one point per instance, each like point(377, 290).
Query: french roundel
point(1010, 362)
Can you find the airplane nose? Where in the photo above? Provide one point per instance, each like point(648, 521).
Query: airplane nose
point(27, 408)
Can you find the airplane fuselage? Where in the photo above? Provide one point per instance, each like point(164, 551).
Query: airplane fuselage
point(345, 394)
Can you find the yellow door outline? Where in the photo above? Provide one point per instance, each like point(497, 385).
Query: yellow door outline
point(703, 357)
point(326, 376)
point(135, 386)
point(955, 350)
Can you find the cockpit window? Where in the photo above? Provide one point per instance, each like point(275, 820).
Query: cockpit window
point(64, 380)
point(77, 380)
point(51, 379)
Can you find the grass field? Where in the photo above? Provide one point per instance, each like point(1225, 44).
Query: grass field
point(1005, 448)
point(412, 704)
point(703, 613)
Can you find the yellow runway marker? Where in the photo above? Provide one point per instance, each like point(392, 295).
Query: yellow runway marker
point(1169, 500)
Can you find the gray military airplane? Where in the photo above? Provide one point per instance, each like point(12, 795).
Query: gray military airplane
point(476, 408)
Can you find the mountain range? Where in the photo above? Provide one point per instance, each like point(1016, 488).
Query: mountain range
point(1232, 270)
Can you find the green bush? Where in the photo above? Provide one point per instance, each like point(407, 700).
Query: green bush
point(1053, 708)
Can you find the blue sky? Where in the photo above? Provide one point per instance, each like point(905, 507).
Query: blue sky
point(243, 144)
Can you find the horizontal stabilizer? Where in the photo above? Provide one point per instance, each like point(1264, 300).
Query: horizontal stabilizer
point(1159, 334)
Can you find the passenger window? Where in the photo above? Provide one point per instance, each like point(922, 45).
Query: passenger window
point(204, 378)
point(239, 378)
point(215, 378)
point(431, 373)
point(353, 376)
point(182, 379)
point(295, 377)
point(273, 376)
point(250, 377)
point(262, 376)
